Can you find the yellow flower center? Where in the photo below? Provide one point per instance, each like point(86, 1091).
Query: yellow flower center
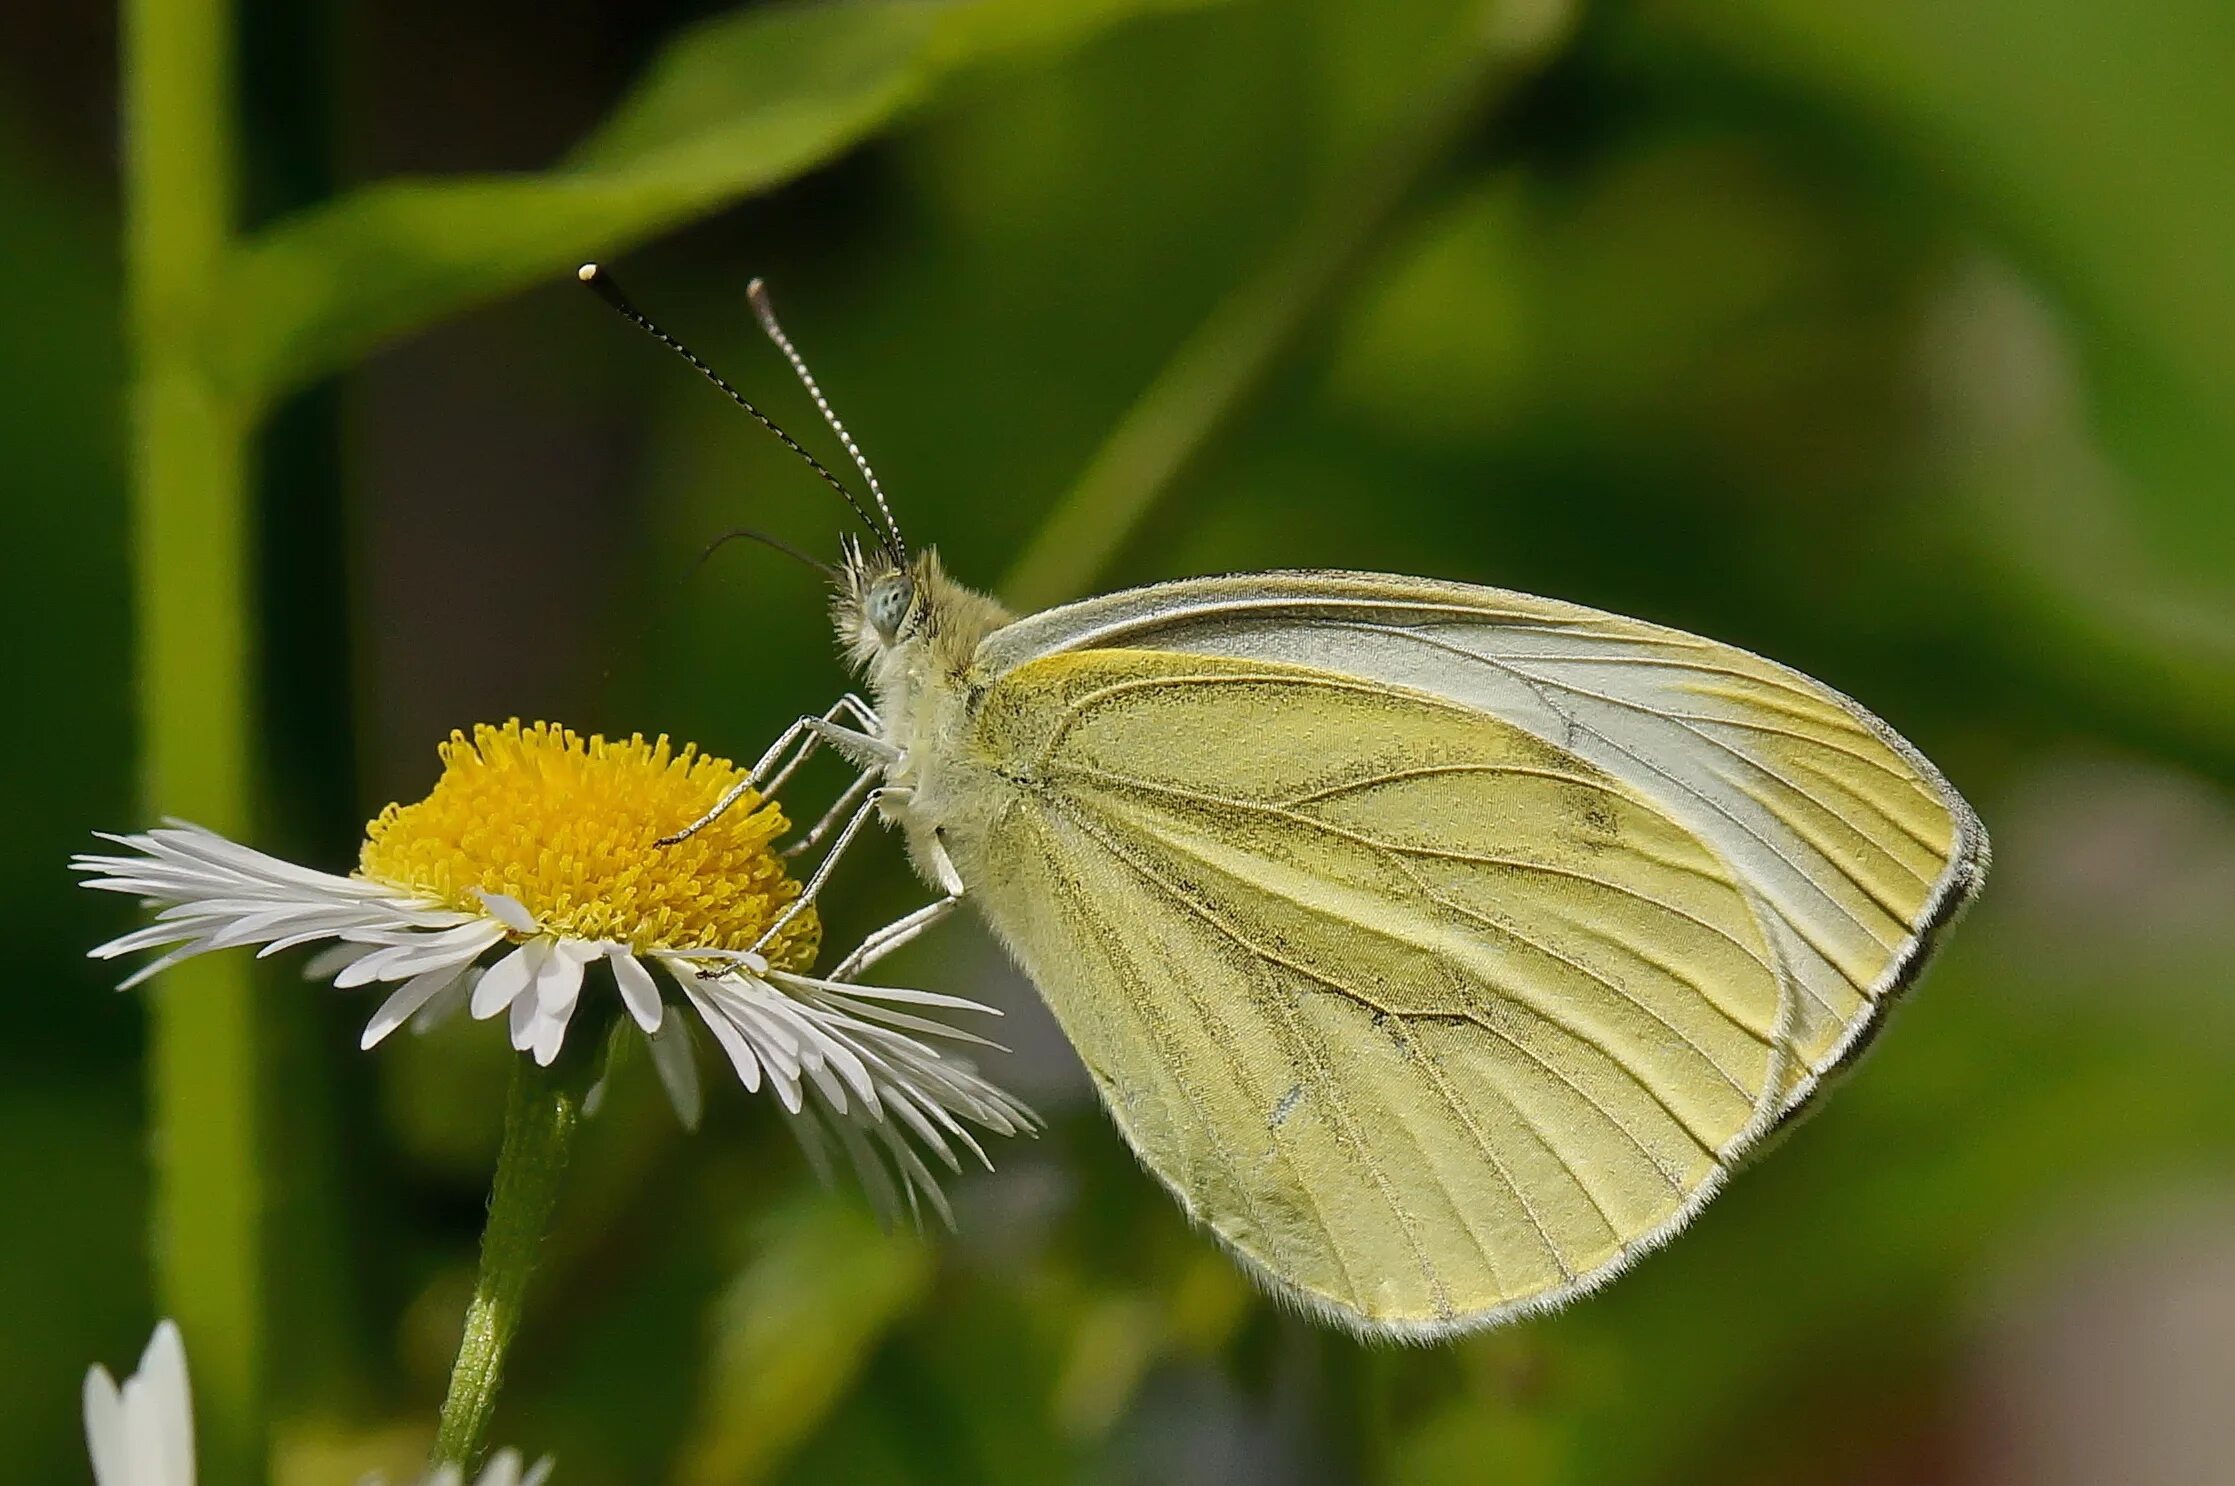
point(570, 827)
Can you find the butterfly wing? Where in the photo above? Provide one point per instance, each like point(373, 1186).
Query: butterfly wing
point(1851, 849)
point(1430, 1019)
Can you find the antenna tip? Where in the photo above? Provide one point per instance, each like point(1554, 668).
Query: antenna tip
point(588, 273)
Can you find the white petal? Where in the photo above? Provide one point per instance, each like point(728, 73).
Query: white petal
point(672, 1056)
point(559, 982)
point(789, 980)
point(741, 1053)
point(772, 1017)
point(639, 992)
point(509, 911)
point(447, 1003)
point(332, 960)
point(399, 1007)
point(884, 1195)
point(211, 894)
point(524, 1020)
point(368, 968)
point(255, 926)
point(558, 987)
point(421, 952)
point(170, 1401)
point(147, 1436)
point(149, 937)
point(844, 1061)
point(505, 1468)
point(507, 978)
point(548, 1037)
point(157, 966)
point(777, 1046)
point(104, 1429)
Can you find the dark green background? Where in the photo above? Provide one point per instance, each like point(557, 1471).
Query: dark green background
point(1894, 339)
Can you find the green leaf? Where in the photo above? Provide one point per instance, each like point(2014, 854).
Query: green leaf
point(734, 107)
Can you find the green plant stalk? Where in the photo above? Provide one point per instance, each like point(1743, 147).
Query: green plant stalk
point(1212, 378)
point(190, 473)
point(541, 1116)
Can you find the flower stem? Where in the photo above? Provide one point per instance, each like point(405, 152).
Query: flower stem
point(1212, 377)
point(541, 1117)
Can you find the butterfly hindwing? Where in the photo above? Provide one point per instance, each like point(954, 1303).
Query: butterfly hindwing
point(1429, 1018)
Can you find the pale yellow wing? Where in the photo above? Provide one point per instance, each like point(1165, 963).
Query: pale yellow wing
point(1848, 845)
point(1431, 1020)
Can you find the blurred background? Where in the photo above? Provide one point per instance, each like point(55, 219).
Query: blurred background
point(1892, 338)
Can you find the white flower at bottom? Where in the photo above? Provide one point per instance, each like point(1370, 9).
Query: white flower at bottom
point(505, 1468)
point(534, 869)
point(143, 1433)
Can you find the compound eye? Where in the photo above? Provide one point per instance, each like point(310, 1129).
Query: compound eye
point(888, 605)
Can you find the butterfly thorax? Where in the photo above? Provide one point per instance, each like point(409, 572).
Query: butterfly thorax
point(914, 635)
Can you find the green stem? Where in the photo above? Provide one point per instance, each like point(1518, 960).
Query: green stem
point(541, 1116)
point(190, 471)
point(1219, 369)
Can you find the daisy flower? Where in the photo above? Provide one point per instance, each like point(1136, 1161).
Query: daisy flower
point(142, 1434)
point(535, 873)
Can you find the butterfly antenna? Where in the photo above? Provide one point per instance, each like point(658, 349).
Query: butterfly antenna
point(751, 534)
point(757, 293)
point(602, 283)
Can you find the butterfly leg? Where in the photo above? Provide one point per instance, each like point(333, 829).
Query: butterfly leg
point(893, 935)
point(884, 941)
point(805, 735)
point(823, 869)
point(849, 708)
point(839, 807)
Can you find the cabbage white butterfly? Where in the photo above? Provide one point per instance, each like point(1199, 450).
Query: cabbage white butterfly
point(1440, 948)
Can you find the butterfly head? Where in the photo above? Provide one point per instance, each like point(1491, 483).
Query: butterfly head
point(893, 612)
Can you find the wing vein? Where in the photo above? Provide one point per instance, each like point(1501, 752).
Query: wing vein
point(1352, 993)
point(1537, 684)
point(1118, 954)
point(1899, 918)
point(1301, 1038)
point(1430, 771)
point(1442, 1086)
point(1395, 850)
point(1452, 854)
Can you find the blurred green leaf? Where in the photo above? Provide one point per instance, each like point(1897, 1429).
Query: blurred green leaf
point(817, 1293)
point(2094, 142)
point(71, 1259)
point(736, 106)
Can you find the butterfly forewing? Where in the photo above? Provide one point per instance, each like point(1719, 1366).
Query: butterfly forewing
point(1850, 848)
point(1429, 1017)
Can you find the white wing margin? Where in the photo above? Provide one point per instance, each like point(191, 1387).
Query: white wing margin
point(1854, 849)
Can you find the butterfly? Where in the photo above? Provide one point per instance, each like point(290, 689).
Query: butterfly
point(1442, 949)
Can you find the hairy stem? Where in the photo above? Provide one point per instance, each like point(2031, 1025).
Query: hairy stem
point(541, 1117)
